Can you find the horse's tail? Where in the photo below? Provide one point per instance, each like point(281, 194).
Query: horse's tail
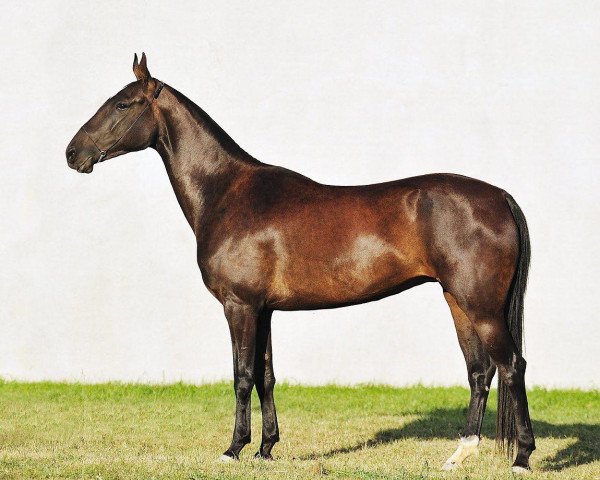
point(505, 418)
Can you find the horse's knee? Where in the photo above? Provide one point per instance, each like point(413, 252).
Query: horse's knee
point(243, 386)
point(269, 381)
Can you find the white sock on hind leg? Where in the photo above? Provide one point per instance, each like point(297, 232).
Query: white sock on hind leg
point(466, 447)
point(520, 470)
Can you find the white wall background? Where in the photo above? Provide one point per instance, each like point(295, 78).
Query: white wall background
point(98, 278)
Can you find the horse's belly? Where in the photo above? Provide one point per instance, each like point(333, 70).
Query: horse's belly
point(368, 269)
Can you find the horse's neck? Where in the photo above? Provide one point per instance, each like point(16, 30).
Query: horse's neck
point(201, 159)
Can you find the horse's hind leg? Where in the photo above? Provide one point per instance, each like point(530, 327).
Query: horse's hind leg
point(498, 342)
point(481, 371)
point(265, 383)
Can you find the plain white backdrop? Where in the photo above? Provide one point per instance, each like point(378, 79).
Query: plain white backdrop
point(98, 277)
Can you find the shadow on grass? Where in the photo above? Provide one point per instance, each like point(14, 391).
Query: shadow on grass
point(447, 423)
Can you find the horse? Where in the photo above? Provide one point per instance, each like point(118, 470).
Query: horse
point(269, 239)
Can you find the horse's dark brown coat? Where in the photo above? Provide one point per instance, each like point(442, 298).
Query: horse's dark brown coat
point(272, 239)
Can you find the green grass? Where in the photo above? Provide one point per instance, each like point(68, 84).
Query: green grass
point(115, 431)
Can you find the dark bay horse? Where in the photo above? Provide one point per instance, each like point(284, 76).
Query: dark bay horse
point(271, 239)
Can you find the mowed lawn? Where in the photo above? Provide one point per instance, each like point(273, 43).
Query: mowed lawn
point(116, 431)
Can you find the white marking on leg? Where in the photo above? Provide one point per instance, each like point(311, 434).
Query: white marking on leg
point(466, 447)
point(226, 459)
point(520, 470)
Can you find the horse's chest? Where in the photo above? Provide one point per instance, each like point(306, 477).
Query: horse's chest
point(250, 265)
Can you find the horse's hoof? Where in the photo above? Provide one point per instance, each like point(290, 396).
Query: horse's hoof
point(520, 470)
point(227, 459)
point(449, 466)
point(267, 457)
point(466, 447)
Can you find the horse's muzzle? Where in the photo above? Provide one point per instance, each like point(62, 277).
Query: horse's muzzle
point(76, 163)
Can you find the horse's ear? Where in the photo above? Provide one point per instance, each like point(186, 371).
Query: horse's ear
point(140, 69)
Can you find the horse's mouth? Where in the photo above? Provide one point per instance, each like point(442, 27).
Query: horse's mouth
point(87, 166)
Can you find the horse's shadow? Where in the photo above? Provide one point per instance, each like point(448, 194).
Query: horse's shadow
point(447, 423)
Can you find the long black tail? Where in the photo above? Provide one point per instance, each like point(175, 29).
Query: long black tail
point(505, 419)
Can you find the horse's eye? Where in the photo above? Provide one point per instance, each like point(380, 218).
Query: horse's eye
point(122, 106)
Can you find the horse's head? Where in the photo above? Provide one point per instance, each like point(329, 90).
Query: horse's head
point(125, 123)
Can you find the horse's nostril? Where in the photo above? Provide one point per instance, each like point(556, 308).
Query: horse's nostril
point(70, 154)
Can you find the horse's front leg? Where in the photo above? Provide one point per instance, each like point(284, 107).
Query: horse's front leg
point(265, 382)
point(243, 320)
